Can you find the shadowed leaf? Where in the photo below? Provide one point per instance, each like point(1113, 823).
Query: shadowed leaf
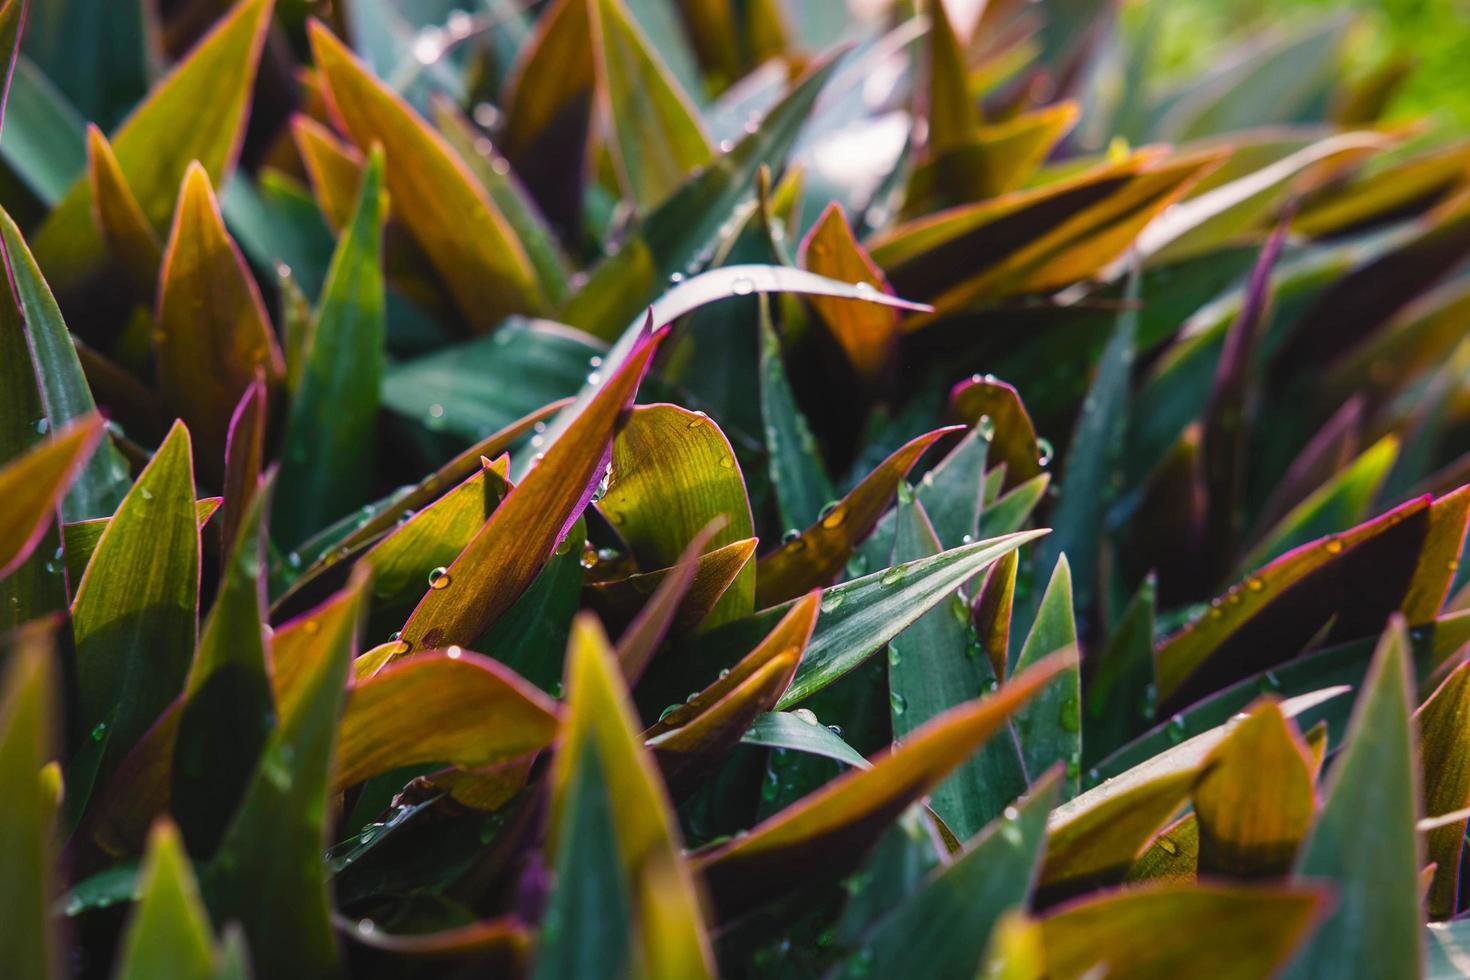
point(125, 229)
point(830, 829)
point(714, 574)
point(332, 426)
point(1365, 842)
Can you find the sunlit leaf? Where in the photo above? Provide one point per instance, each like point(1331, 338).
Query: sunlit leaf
point(213, 331)
point(32, 485)
point(125, 228)
point(469, 242)
point(673, 471)
point(136, 612)
point(816, 555)
point(504, 557)
point(866, 333)
point(168, 933)
point(1440, 724)
point(1167, 929)
point(195, 115)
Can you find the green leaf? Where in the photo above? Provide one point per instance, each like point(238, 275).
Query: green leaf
point(789, 730)
point(64, 392)
point(168, 933)
point(588, 923)
point(125, 229)
point(1050, 727)
point(672, 237)
point(1365, 841)
point(197, 114)
point(932, 667)
point(81, 538)
point(816, 556)
point(599, 718)
point(673, 471)
point(657, 139)
point(950, 493)
point(471, 389)
point(96, 52)
point(228, 709)
point(944, 929)
point(45, 141)
point(332, 428)
point(1116, 698)
point(136, 614)
point(28, 704)
point(1337, 505)
point(1092, 475)
point(798, 474)
point(268, 872)
point(470, 243)
point(1010, 512)
point(953, 115)
point(1440, 724)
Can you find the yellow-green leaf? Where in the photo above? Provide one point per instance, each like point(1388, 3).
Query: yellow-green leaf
point(197, 114)
point(33, 483)
point(1443, 724)
point(125, 229)
point(474, 250)
point(168, 933)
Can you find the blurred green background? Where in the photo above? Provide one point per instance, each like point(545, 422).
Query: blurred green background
point(1434, 35)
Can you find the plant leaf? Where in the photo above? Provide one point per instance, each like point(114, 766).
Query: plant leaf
point(1013, 439)
point(713, 575)
point(798, 475)
point(503, 558)
point(468, 240)
point(135, 615)
point(672, 237)
point(268, 872)
point(1440, 724)
point(944, 929)
point(599, 718)
point(228, 710)
point(332, 426)
point(33, 484)
point(786, 730)
point(168, 933)
point(673, 471)
point(1050, 727)
point(64, 392)
point(1255, 799)
point(1364, 841)
point(829, 830)
point(1166, 929)
point(124, 227)
point(81, 538)
point(866, 333)
point(244, 459)
point(656, 135)
point(213, 331)
point(197, 114)
point(483, 715)
point(27, 705)
point(816, 556)
point(933, 667)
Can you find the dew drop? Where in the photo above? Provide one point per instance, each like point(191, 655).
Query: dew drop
point(1254, 583)
point(805, 714)
point(1333, 546)
point(1044, 452)
point(1176, 729)
point(147, 494)
point(727, 462)
point(1168, 846)
point(894, 575)
point(898, 702)
point(43, 426)
point(99, 731)
point(439, 578)
point(742, 286)
point(831, 600)
point(986, 427)
point(1068, 716)
point(454, 652)
point(895, 657)
point(676, 278)
point(832, 515)
point(594, 378)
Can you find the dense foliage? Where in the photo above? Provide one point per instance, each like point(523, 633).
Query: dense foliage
point(1045, 472)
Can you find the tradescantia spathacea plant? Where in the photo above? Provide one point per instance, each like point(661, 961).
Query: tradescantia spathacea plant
point(681, 488)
